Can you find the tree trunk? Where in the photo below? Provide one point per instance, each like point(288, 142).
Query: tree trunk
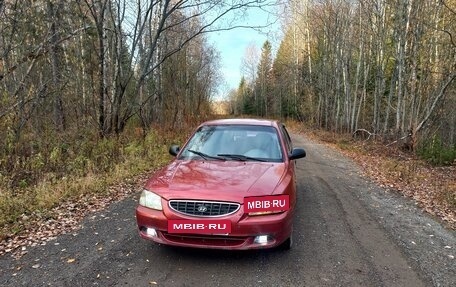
point(53, 15)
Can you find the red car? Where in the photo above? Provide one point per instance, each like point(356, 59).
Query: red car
point(232, 186)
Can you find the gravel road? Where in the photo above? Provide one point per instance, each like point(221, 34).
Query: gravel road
point(348, 232)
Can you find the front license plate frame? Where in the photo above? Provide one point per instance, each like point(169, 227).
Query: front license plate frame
point(200, 226)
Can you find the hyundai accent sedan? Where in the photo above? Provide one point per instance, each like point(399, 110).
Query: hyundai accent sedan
point(231, 186)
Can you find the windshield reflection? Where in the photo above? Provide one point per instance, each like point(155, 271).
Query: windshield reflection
point(234, 142)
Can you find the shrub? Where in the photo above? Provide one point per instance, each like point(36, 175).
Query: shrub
point(436, 153)
point(52, 171)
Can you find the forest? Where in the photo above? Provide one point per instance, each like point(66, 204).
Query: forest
point(384, 69)
point(93, 91)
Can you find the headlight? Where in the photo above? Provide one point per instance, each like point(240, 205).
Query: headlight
point(150, 200)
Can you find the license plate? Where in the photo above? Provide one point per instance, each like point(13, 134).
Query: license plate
point(266, 203)
point(222, 226)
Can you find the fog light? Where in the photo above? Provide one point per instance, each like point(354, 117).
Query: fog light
point(261, 239)
point(151, 232)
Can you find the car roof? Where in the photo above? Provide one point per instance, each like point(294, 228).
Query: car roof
point(243, 121)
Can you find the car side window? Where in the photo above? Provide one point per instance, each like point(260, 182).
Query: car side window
point(286, 137)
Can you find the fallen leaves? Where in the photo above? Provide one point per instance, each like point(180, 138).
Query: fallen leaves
point(65, 218)
point(432, 188)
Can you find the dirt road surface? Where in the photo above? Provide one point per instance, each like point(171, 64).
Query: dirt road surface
point(347, 232)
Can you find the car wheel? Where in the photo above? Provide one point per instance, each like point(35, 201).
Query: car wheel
point(287, 244)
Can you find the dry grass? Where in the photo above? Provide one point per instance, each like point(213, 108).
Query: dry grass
point(432, 188)
point(113, 161)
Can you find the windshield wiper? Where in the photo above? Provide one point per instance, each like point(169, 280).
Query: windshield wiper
point(205, 156)
point(240, 157)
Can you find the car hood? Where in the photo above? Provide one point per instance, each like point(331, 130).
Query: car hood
point(216, 180)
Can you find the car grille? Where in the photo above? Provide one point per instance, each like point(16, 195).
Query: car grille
point(203, 208)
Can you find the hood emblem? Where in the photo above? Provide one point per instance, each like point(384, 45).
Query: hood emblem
point(202, 208)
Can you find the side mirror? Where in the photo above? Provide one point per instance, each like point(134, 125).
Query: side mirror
point(297, 153)
point(174, 150)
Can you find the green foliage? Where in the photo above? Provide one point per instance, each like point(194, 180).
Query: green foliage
point(436, 153)
point(248, 106)
point(78, 165)
point(37, 162)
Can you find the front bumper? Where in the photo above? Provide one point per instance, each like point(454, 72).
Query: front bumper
point(244, 230)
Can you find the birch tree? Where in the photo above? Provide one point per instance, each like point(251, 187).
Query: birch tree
point(379, 65)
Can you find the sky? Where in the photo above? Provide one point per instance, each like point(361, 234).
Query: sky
point(232, 44)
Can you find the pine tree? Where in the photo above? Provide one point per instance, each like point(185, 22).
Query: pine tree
point(263, 87)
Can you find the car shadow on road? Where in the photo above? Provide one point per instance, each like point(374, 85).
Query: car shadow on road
point(216, 255)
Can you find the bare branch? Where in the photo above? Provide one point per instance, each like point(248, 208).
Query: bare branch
point(42, 50)
point(437, 99)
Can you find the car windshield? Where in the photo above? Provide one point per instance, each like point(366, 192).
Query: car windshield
point(234, 142)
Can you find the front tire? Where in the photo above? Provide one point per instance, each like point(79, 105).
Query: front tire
point(287, 244)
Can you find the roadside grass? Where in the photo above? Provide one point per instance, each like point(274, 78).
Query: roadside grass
point(63, 173)
point(432, 187)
